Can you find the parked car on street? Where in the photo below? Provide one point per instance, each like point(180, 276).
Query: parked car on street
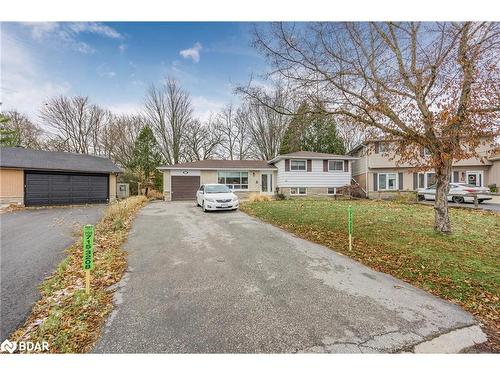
point(212, 197)
point(459, 193)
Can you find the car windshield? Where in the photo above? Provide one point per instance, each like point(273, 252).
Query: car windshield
point(217, 189)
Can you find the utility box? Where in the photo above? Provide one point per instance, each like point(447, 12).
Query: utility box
point(122, 190)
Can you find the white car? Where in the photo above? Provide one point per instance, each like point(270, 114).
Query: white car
point(212, 197)
point(459, 193)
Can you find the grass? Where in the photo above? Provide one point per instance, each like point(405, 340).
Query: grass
point(65, 316)
point(399, 239)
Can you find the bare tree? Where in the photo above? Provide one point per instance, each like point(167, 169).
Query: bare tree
point(265, 121)
point(76, 123)
point(235, 132)
point(432, 85)
point(352, 135)
point(120, 137)
point(169, 111)
point(202, 140)
point(27, 134)
point(243, 140)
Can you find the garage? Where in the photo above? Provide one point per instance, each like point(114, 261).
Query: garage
point(184, 187)
point(45, 178)
point(64, 188)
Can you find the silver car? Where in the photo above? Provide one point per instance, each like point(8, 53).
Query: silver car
point(459, 193)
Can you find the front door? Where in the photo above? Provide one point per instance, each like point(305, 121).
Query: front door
point(266, 183)
point(475, 178)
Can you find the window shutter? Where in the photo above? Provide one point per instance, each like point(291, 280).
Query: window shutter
point(400, 181)
point(346, 165)
point(455, 176)
point(377, 147)
point(422, 152)
point(325, 165)
point(375, 182)
point(287, 165)
point(415, 181)
point(309, 165)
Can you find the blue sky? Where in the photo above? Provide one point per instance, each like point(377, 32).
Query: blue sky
point(114, 63)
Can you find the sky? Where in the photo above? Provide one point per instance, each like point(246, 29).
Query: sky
point(115, 63)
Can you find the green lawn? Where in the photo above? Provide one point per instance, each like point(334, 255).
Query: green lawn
point(399, 239)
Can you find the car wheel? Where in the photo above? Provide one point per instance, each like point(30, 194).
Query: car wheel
point(458, 199)
point(197, 204)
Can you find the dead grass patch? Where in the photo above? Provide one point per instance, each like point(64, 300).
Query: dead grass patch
point(65, 316)
point(256, 197)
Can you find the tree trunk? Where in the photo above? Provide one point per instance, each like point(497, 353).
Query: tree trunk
point(442, 219)
point(146, 191)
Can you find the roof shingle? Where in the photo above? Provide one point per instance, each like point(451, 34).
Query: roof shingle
point(222, 164)
point(25, 158)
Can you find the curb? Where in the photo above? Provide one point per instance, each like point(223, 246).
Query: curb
point(453, 342)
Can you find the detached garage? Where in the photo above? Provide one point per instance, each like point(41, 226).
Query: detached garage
point(42, 178)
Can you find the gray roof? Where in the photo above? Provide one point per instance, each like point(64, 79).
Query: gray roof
point(25, 158)
point(222, 164)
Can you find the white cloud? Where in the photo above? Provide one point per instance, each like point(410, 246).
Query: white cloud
point(23, 87)
point(131, 108)
point(103, 71)
point(122, 48)
point(67, 33)
point(193, 52)
point(204, 107)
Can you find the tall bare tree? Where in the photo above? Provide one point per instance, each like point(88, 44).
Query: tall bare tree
point(432, 85)
point(169, 111)
point(119, 138)
point(76, 123)
point(26, 133)
point(265, 120)
point(201, 140)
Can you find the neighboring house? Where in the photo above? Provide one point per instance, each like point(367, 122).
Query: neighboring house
point(299, 173)
point(34, 177)
point(377, 172)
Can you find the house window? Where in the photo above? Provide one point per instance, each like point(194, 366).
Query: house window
point(332, 190)
point(431, 178)
point(421, 181)
point(297, 165)
point(298, 191)
point(335, 165)
point(387, 181)
point(427, 152)
point(235, 180)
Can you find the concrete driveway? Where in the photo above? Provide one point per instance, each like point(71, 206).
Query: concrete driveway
point(225, 282)
point(32, 243)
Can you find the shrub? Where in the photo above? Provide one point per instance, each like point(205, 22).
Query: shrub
point(256, 197)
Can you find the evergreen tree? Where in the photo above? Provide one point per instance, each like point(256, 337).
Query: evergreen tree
point(8, 137)
point(146, 158)
point(312, 131)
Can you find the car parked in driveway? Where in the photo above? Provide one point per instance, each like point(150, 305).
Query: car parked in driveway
point(459, 193)
point(213, 197)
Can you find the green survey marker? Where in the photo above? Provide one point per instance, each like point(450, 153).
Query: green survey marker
point(88, 247)
point(350, 219)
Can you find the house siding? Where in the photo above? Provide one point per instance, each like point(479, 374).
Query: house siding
point(11, 186)
point(314, 179)
point(112, 188)
point(211, 177)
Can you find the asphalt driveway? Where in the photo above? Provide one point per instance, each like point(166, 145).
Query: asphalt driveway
point(226, 282)
point(32, 243)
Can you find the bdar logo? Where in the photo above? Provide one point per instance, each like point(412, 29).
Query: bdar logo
point(8, 346)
